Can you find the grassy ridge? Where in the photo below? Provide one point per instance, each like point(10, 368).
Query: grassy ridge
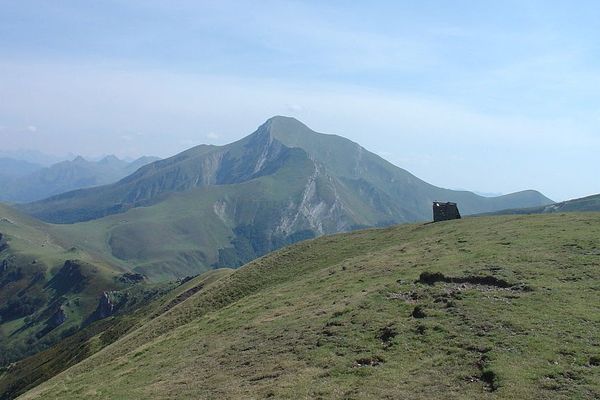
point(498, 307)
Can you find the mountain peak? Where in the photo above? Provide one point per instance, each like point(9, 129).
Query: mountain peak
point(280, 123)
point(111, 158)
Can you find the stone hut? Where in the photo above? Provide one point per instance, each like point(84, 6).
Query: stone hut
point(445, 211)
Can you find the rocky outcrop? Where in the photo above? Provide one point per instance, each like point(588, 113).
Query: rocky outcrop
point(56, 319)
point(106, 307)
point(3, 244)
point(70, 278)
point(131, 278)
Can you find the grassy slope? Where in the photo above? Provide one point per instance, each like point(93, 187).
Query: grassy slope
point(36, 369)
point(182, 235)
point(35, 254)
point(332, 318)
point(30, 236)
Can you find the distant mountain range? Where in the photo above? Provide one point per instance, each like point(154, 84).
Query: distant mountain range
point(215, 206)
point(14, 168)
point(34, 156)
point(23, 181)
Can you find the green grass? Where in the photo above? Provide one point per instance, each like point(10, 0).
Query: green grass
point(182, 235)
point(333, 318)
point(34, 255)
point(36, 369)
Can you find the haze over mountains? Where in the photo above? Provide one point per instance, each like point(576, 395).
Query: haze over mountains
point(23, 181)
point(215, 206)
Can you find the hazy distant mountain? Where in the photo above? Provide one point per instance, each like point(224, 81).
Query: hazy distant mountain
point(13, 168)
point(33, 156)
point(32, 182)
point(589, 203)
point(224, 205)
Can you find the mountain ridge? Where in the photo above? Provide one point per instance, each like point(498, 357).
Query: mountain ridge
point(222, 206)
point(215, 165)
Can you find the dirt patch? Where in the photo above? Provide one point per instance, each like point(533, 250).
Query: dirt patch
point(487, 376)
point(418, 312)
point(266, 376)
point(372, 361)
point(386, 334)
point(410, 297)
point(431, 278)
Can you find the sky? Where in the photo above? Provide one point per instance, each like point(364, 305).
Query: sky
point(480, 95)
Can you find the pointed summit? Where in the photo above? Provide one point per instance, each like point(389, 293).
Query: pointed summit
point(333, 172)
point(109, 159)
point(281, 125)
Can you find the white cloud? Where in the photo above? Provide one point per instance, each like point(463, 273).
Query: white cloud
point(32, 128)
point(212, 136)
point(294, 108)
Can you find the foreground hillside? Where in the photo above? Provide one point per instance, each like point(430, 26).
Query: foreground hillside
point(222, 206)
point(495, 307)
point(25, 374)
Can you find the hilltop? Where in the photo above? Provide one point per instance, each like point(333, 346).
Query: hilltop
point(222, 206)
point(487, 307)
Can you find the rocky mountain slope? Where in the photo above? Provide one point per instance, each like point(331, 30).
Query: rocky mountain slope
point(478, 308)
point(334, 162)
point(225, 205)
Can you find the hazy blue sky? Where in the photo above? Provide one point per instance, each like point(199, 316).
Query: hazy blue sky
point(494, 96)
